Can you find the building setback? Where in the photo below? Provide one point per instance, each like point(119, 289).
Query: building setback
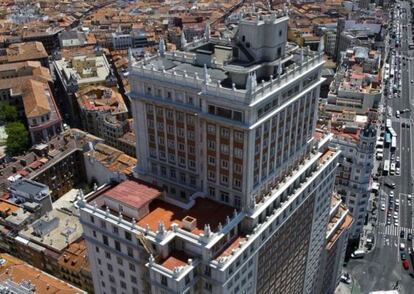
point(225, 129)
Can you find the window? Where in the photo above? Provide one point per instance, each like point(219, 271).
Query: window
point(123, 285)
point(115, 230)
point(92, 219)
point(105, 240)
point(121, 273)
point(224, 148)
point(211, 175)
point(110, 267)
point(134, 279)
point(211, 160)
point(117, 245)
point(128, 236)
point(225, 133)
point(172, 173)
point(238, 136)
point(224, 179)
point(211, 129)
point(211, 145)
point(238, 153)
point(211, 192)
point(107, 255)
point(130, 252)
point(224, 196)
point(164, 280)
point(119, 260)
point(132, 267)
point(224, 164)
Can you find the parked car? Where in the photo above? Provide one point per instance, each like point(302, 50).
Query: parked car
point(403, 256)
point(402, 234)
point(405, 264)
point(390, 184)
point(409, 237)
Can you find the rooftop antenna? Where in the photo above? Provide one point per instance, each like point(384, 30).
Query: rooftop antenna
point(161, 47)
point(207, 31)
point(321, 47)
point(183, 40)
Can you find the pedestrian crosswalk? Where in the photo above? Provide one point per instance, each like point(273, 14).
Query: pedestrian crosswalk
point(394, 231)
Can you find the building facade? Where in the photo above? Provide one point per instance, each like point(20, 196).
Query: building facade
point(353, 177)
point(225, 129)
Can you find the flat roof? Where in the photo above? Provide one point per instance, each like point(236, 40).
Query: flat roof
point(132, 193)
point(205, 211)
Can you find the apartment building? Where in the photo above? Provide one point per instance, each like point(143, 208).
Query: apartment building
point(76, 72)
point(357, 82)
point(103, 113)
point(340, 221)
point(225, 130)
point(27, 86)
point(16, 276)
point(355, 166)
point(20, 52)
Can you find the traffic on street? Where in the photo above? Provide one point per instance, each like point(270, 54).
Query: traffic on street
point(388, 253)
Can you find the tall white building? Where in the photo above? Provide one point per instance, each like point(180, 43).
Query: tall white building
point(354, 172)
point(225, 129)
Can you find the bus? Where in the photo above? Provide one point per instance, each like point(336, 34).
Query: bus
point(392, 132)
point(393, 143)
point(386, 167)
point(387, 139)
point(388, 123)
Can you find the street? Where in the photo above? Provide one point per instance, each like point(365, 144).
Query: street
point(382, 267)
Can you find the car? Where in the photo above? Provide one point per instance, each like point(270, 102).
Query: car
point(406, 264)
point(395, 215)
point(402, 246)
point(397, 159)
point(403, 256)
point(409, 237)
point(396, 223)
point(391, 194)
point(397, 171)
point(412, 81)
point(397, 114)
point(397, 201)
point(345, 278)
point(390, 185)
point(409, 196)
point(383, 206)
point(388, 221)
point(402, 234)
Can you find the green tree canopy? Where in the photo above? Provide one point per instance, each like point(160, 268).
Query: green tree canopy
point(8, 113)
point(17, 138)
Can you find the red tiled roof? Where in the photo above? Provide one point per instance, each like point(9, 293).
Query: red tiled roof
point(23, 172)
point(35, 164)
point(176, 259)
point(133, 193)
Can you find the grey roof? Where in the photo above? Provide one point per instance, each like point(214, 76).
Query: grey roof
point(28, 186)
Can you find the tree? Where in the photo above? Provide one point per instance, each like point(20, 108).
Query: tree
point(17, 138)
point(8, 113)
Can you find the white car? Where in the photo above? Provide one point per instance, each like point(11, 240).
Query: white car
point(391, 194)
point(397, 201)
point(396, 223)
point(397, 171)
point(383, 207)
point(409, 196)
